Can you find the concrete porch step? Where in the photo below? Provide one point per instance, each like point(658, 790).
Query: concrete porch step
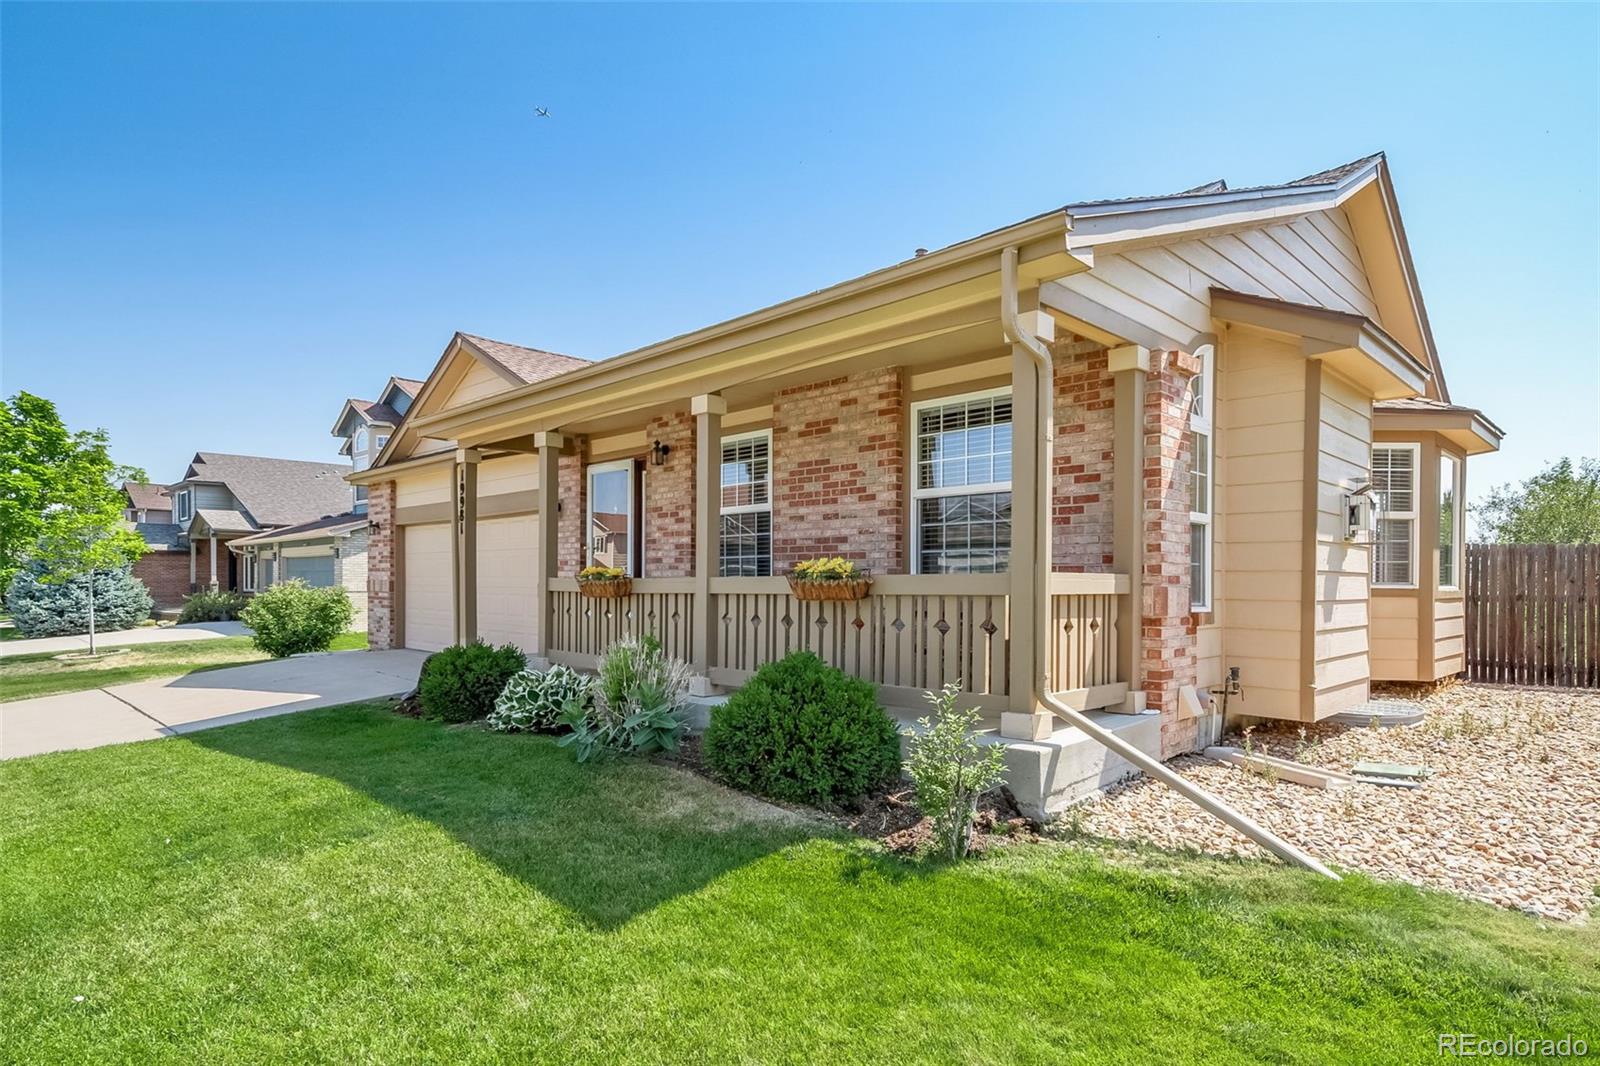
point(1048, 776)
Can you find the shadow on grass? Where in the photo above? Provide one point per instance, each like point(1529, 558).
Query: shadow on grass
point(609, 841)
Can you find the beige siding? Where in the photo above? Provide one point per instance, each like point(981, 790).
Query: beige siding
point(513, 473)
point(1261, 433)
point(1449, 635)
point(1310, 260)
point(478, 382)
point(423, 487)
point(1344, 457)
point(1394, 635)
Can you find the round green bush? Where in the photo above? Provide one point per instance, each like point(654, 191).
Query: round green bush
point(294, 618)
point(43, 608)
point(802, 731)
point(461, 683)
point(208, 606)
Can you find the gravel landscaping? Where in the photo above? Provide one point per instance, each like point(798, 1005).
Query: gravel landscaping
point(1510, 815)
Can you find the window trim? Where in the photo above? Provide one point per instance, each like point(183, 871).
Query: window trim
point(247, 577)
point(1457, 468)
point(915, 494)
point(746, 508)
point(181, 499)
point(1205, 422)
point(1415, 448)
point(628, 467)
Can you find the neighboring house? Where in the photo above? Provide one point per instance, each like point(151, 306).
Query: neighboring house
point(1234, 377)
point(364, 427)
point(224, 498)
point(146, 503)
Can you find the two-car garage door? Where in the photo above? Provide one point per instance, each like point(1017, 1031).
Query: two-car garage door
point(506, 551)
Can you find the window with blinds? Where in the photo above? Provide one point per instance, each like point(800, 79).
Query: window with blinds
point(962, 484)
point(1394, 480)
point(745, 547)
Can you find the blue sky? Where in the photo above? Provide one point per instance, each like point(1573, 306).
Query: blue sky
point(221, 220)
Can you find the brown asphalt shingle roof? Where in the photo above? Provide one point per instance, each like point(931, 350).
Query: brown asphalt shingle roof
point(147, 497)
point(1211, 188)
point(331, 524)
point(220, 521)
point(527, 364)
point(377, 412)
point(276, 492)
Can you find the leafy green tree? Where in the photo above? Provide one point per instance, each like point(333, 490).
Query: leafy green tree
point(1558, 505)
point(60, 507)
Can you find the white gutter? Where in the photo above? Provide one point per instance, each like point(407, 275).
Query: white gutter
point(1044, 364)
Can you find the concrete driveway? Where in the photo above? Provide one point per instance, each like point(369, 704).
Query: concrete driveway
point(202, 700)
point(123, 638)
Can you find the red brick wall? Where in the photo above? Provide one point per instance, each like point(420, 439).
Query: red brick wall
point(573, 491)
point(382, 568)
point(669, 499)
point(166, 575)
point(1082, 462)
point(839, 477)
point(1168, 632)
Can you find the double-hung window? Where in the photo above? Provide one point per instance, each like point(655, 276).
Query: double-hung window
point(745, 548)
point(180, 507)
point(1202, 470)
point(1394, 479)
point(1449, 521)
point(961, 484)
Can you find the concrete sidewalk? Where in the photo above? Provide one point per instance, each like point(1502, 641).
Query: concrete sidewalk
point(202, 700)
point(123, 638)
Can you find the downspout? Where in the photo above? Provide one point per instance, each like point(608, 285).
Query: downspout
point(1044, 366)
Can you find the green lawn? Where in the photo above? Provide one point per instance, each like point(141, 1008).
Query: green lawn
point(24, 676)
point(346, 885)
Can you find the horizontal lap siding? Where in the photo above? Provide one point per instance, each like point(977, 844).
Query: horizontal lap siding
point(1344, 435)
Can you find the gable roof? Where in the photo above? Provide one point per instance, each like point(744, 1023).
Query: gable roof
point(322, 527)
point(526, 365)
point(219, 520)
point(275, 492)
point(144, 497)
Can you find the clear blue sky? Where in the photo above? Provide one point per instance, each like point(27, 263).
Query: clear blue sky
point(221, 220)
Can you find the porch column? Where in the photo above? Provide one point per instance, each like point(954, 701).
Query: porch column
point(1030, 564)
point(193, 570)
point(708, 411)
point(548, 446)
point(1128, 366)
point(213, 562)
point(466, 545)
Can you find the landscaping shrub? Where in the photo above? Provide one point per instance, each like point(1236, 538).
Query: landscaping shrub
point(802, 731)
point(636, 703)
point(207, 606)
point(533, 701)
point(462, 682)
point(48, 609)
point(294, 618)
point(951, 769)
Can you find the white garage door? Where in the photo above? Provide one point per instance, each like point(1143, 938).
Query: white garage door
point(430, 621)
point(506, 553)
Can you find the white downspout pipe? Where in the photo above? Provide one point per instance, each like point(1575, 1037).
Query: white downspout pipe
point(1044, 365)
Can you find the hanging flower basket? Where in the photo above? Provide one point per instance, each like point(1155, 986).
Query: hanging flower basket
point(604, 583)
point(829, 579)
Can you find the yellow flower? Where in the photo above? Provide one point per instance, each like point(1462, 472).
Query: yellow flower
point(600, 573)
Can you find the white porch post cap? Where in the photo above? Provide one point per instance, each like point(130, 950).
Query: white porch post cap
point(708, 403)
point(549, 439)
point(468, 455)
point(1039, 324)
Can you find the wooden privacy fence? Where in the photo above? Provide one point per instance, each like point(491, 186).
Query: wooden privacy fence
point(1533, 614)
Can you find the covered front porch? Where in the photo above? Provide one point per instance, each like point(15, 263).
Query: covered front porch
point(837, 387)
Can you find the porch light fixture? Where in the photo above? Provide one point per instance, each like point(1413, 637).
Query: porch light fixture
point(374, 526)
point(658, 453)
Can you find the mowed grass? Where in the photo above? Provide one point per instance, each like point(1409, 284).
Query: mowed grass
point(345, 885)
point(26, 676)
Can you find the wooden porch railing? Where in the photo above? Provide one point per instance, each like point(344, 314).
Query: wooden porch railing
point(912, 633)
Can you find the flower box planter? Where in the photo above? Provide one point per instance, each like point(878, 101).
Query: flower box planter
point(606, 590)
point(852, 589)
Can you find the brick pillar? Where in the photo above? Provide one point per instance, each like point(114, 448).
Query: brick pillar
point(669, 498)
point(1167, 630)
point(383, 572)
point(574, 503)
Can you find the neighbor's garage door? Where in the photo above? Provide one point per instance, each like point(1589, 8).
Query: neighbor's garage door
point(506, 552)
point(314, 570)
point(429, 621)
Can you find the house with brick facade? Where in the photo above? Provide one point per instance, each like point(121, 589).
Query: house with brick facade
point(1155, 459)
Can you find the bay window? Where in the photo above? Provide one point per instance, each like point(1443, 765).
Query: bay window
point(745, 547)
point(1449, 521)
point(1394, 480)
point(961, 484)
point(1202, 491)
